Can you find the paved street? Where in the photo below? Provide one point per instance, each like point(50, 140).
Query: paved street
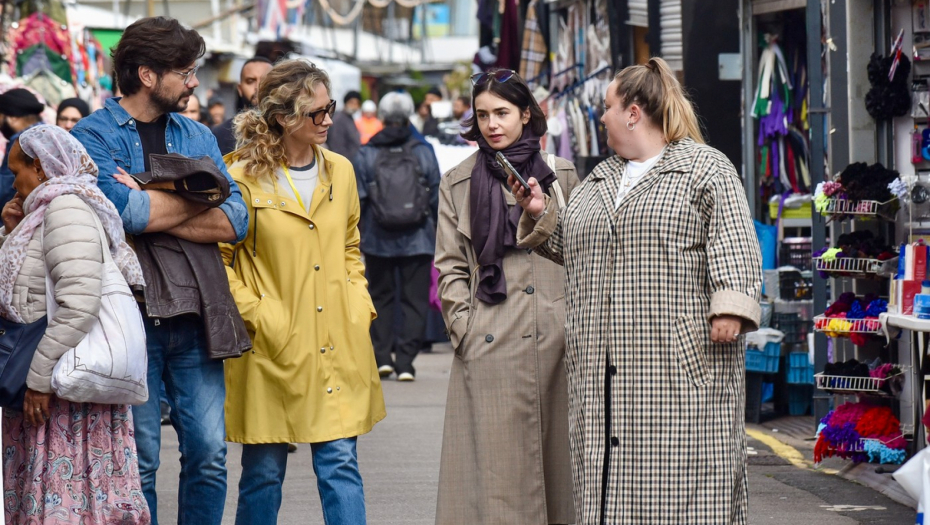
point(400, 465)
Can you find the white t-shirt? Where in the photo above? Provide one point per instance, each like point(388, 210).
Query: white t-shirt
point(633, 174)
point(305, 180)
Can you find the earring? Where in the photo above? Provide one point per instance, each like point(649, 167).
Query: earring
point(630, 126)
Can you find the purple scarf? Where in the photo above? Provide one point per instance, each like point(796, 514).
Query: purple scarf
point(493, 223)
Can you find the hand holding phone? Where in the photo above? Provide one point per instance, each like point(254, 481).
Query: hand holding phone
point(511, 171)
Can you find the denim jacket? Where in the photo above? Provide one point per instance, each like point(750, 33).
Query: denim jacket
point(111, 139)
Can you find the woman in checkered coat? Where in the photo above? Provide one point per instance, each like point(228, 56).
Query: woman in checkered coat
point(662, 276)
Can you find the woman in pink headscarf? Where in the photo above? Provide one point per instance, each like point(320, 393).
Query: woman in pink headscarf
point(63, 462)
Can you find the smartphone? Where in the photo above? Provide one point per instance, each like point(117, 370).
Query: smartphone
point(510, 170)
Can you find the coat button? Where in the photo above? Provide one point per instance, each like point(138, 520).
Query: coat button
point(612, 369)
point(330, 391)
point(319, 308)
point(614, 442)
point(530, 290)
point(312, 226)
point(489, 338)
point(316, 267)
point(323, 350)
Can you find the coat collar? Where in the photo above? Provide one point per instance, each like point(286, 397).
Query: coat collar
point(678, 158)
point(263, 198)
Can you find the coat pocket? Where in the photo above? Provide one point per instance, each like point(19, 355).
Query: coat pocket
point(691, 358)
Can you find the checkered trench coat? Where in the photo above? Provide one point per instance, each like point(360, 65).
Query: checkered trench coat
point(641, 282)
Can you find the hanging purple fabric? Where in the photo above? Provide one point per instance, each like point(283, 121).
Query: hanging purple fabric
point(508, 51)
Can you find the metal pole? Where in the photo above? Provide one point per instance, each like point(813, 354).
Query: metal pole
point(818, 115)
point(748, 52)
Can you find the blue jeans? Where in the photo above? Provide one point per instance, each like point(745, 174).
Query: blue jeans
point(195, 386)
point(338, 480)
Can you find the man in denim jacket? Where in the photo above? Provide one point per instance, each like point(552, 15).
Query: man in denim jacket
point(155, 65)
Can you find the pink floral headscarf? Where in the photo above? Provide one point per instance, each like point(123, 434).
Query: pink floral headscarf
point(70, 171)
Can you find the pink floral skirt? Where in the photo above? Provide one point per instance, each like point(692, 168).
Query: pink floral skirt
point(79, 468)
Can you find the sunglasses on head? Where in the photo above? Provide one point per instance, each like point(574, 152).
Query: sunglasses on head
point(319, 116)
point(500, 75)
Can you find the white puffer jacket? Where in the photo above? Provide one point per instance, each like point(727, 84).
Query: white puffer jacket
point(73, 252)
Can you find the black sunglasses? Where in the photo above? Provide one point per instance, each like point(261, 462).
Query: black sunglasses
point(319, 116)
point(500, 75)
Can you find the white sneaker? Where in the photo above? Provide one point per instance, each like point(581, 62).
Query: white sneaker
point(385, 371)
point(406, 376)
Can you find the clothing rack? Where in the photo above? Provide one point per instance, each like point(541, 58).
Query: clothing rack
point(580, 83)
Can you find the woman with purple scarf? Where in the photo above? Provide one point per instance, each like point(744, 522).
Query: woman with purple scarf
point(64, 463)
point(505, 450)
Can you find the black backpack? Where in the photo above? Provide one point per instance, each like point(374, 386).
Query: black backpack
point(398, 192)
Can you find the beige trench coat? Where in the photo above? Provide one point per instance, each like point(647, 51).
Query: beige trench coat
point(505, 451)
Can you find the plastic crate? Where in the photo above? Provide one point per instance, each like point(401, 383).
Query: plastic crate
point(797, 252)
point(804, 212)
point(794, 328)
point(799, 399)
point(800, 370)
point(792, 286)
point(764, 361)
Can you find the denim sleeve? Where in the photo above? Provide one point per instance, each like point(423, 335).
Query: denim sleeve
point(234, 207)
point(133, 205)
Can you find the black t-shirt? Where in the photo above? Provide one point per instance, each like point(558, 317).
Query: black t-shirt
point(153, 138)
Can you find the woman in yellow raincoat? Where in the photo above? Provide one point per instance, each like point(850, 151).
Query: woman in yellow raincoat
point(300, 286)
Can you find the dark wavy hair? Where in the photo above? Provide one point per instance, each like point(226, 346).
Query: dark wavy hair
point(159, 43)
point(515, 91)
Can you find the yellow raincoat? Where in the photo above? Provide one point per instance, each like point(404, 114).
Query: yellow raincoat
point(300, 286)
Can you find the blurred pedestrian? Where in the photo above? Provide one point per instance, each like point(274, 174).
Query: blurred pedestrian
point(299, 282)
point(368, 124)
point(343, 134)
point(430, 123)
point(217, 109)
point(19, 111)
point(64, 462)
point(190, 317)
point(193, 110)
point(398, 180)
point(505, 447)
point(251, 75)
point(663, 273)
point(70, 112)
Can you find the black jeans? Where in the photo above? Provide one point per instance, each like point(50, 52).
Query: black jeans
point(413, 292)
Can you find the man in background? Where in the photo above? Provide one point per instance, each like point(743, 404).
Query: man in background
point(369, 125)
point(252, 73)
point(343, 134)
point(217, 111)
point(19, 111)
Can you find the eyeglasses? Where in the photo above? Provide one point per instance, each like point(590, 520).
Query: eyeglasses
point(500, 75)
point(319, 116)
point(188, 75)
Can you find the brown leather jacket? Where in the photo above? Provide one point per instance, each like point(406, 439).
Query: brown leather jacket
point(184, 277)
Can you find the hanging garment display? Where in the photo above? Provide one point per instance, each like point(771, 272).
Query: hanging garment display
point(781, 108)
point(534, 50)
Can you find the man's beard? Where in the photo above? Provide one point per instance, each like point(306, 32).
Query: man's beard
point(165, 103)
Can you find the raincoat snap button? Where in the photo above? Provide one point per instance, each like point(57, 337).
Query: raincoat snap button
point(316, 267)
point(312, 226)
point(319, 308)
point(329, 390)
point(322, 350)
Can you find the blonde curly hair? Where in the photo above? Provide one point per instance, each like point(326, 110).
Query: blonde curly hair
point(286, 93)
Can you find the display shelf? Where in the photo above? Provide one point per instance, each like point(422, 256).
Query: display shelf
point(863, 267)
point(906, 322)
point(855, 386)
point(838, 208)
point(842, 327)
